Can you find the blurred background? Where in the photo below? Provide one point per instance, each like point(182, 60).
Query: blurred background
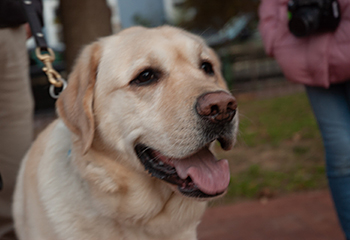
point(279, 149)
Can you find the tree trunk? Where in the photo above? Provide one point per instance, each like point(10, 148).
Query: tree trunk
point(83, 22)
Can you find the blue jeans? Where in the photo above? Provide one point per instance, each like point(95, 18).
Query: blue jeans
point(332, 111)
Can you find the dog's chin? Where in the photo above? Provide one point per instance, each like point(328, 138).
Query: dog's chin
point(199, 175)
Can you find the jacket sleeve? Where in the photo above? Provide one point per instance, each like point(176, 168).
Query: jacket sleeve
point(13, 14)
point(268, 22)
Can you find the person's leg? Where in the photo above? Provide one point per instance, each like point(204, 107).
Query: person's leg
point(332, 110)
point(16, 114)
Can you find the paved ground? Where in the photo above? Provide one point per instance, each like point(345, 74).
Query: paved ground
point(305, 216)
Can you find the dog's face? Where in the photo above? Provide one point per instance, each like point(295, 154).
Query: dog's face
point(157, 96)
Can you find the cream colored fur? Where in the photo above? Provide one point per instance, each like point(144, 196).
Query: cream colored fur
point(81, 179)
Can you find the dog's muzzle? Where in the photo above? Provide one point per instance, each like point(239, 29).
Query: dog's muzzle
point(200, 174)
point(216, 111)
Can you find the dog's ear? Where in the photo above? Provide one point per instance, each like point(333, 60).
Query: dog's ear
point(75, 104)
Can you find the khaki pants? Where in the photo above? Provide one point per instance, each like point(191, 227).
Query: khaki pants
point(16, 114)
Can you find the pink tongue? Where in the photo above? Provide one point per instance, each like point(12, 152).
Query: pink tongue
point(210, 176)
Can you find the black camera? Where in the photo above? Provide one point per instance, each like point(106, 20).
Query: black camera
point(313, 16)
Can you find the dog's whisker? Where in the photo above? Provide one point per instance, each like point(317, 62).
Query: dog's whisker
point(145, 150)
point(206, 30)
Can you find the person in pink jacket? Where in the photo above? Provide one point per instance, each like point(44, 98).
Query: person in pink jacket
point(320, 61)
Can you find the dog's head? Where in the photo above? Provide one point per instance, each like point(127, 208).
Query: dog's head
point(157, 97)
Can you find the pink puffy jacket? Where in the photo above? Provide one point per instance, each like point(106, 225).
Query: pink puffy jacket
point(316, 60)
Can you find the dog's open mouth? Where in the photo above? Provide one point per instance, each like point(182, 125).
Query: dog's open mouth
point(200, 175)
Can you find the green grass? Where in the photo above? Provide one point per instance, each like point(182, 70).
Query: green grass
point(274, 120)
point(252, 182)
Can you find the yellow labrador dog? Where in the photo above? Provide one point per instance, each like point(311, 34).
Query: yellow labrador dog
point(128, 157)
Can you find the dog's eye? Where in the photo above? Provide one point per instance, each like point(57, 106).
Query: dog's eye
point(207, 68)
point(146, 77)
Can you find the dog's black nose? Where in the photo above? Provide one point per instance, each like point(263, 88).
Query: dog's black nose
point(217, 107)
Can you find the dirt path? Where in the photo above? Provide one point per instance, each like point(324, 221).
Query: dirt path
point(304, 216)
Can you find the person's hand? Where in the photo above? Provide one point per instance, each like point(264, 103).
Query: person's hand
point(28, 31)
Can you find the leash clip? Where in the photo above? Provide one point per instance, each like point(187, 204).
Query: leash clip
point(53, 76)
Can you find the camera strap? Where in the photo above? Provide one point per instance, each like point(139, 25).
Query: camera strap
point(45, 54)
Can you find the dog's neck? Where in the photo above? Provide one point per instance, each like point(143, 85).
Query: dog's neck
point(150, 202)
